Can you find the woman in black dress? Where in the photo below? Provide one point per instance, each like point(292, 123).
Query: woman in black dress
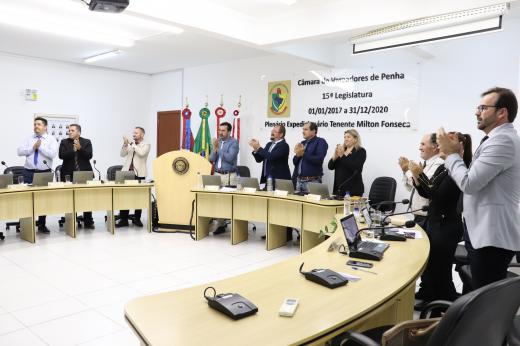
point(443, 225)
point(347, 162)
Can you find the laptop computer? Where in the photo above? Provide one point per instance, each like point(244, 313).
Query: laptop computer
point(250, 182)
point(81, 177)
point(319, 189)
point(284, 185)
point(121, 176)
point(211, 180)
point(42, 179)
point(358, 248)
point(5, 179)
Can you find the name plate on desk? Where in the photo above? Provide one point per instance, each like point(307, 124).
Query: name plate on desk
point(56, 184)
point(132, 182)
point(313, 197)
point(249, 190)
point(281, 193)
point(17, 186)
point(212, 187)
point(98, 182)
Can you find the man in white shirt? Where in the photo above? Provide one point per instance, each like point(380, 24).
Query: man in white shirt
point(429, 152)
point(38, 148)
point(135, 154)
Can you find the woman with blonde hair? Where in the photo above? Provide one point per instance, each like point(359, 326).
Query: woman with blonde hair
point(347, 162)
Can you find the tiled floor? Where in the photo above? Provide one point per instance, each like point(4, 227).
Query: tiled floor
point(64, 291)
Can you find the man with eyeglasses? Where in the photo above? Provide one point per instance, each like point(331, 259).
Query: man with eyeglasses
point(491, 187)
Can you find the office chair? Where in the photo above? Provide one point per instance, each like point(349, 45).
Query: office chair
point(383, 189)
point(16, 171)
point(243, 171)
point(482, 317)
point(111, 172)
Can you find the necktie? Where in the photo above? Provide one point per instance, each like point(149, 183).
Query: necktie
point(36, 153)
point(132, 162)
point(76, 161)
point(424, 164)
point(484, 139)
point(267, 170)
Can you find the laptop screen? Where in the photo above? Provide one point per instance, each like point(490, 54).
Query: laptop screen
point(350, 228)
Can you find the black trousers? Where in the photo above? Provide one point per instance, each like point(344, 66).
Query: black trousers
point(28, 176)
point(488, 264)
point(444, 236)
point(123, 214)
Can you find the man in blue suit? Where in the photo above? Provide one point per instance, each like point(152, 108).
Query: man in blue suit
point(491, 187)
point(308, 158)
point(275, 155)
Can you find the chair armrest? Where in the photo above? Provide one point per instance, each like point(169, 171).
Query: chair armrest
point(434, 305)
point(359, 339)
point(514, 265)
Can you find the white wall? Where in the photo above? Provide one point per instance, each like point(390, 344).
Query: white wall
point(450, 84)
point(108, 103)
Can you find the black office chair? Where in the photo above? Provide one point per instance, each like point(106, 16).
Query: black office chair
point(111, 172)
point(243, 171)
point(383, 189)
point(16, 171)
point(482, 317)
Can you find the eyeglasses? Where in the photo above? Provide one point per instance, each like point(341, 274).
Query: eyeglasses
point(481, 108)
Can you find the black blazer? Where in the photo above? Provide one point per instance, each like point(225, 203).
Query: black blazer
point(347, 173)
point(67, 155)
point(277, 161)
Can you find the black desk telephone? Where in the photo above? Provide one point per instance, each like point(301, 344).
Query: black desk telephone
point(325, 277)
point(231, 304)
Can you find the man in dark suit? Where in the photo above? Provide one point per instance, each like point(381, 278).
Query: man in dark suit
point(275, 156)
point(76, 153)
point(308, 158)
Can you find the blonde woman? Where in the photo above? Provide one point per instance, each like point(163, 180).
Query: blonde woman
point(347, 162)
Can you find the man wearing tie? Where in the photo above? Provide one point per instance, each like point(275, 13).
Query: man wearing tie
point(491, 187)
point(136, 154)
point(275, 156)
point(38, 148)
point(429, 152)
point(224, 156)
point(308, 158)
point(76, 153)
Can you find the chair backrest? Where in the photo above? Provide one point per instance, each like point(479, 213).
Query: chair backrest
point(16, 171)
point(111, 172)
point(481, 317)
point(243, 171)
point(383, 189)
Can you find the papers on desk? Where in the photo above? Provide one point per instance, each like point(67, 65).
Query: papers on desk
point(350, 277)
point(228, 189)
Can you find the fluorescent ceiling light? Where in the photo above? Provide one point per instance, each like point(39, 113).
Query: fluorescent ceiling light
point(288, 2)
point(102, 56)
point(427, 29)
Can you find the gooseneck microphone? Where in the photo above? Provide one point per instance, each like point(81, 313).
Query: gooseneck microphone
point(390, 236)
point(46, 164)
point(423, 208)
point(99, 173)
point(3, 164)
point(378, 204)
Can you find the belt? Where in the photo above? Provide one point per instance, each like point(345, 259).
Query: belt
point(224, 172)
point(37, 170)
point(309, 178)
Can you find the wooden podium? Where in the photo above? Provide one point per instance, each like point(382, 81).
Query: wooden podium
point(175, 175)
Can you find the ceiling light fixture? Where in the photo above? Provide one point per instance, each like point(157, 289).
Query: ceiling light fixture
point(102, 56)
point(434, 28)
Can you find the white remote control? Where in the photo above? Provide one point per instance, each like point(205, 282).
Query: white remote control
point(288, 307)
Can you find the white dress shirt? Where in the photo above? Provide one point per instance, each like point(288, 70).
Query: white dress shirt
point(47, 151)
point(418, 201)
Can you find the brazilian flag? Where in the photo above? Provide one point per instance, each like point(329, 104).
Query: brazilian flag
point(202, 144)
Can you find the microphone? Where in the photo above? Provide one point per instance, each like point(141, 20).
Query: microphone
point(423, 208)
point(3, 163)
point(343, 184)
point(404, 201)
point(46, 164)
point(390, 236)
point(99, 173)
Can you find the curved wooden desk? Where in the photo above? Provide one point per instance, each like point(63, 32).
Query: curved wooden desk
point(183, 317)
point(277, 212)
point(27, 203)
